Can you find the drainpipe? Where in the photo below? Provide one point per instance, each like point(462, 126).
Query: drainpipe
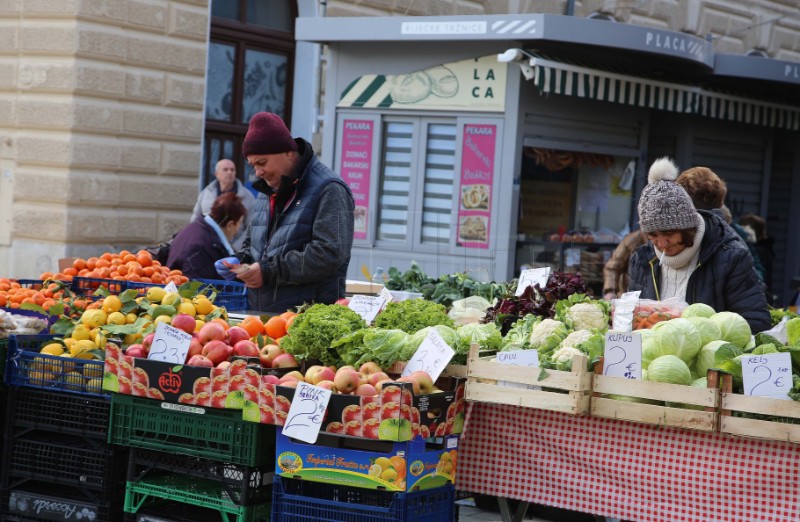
point(570, 11)
point(318, 117)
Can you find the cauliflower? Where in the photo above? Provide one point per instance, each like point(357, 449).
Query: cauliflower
point(562, 358)
point(574, 339)
point(547, 334)
point(582, 313)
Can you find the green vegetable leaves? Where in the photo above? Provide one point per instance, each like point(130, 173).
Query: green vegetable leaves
point(315, 330)
point(412, 315)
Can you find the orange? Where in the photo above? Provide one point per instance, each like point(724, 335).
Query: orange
point(286, 315)
point(79, 264)
point(144, 259)
point(289, 322)
point(275, 327)
point(253, 325)
point(221, 321)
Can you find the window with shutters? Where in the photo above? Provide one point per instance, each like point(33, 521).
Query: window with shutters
point(415, 192)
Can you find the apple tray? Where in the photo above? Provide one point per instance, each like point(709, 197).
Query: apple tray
point(633, 400)
point(772, 409)
point(490, 381)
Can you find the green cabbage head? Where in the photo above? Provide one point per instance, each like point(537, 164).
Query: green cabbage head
point(670, 369)
point(678, 337)
point(698, 310)
point(734, 328)
point(709, 331)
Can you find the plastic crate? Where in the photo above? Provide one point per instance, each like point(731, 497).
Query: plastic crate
point(37, 502)
point(211, 433)
point(86, 286)
point(171, 511)
point(298, 500)
point(196, 492)
point(31, 409)
point(25, 366)
point(230, 294)
point(243, 485)
point(52, 458)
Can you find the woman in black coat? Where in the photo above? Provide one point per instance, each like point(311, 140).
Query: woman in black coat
point(206, 239)
point(693, 255)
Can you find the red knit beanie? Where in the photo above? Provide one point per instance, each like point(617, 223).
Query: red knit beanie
point(267, 134)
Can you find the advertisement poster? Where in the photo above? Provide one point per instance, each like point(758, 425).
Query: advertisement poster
point(356, 166)
point(475, 192)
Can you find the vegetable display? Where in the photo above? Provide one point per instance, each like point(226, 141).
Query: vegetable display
point(313, 332)
point(412, 315)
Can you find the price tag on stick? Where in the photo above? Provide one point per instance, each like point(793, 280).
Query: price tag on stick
point(431, 357)
point(532, 277)
point(305, 416)
point(623, 355)
point(367, 306)
point(528, 358)
point(169, 344)
point(767, 375)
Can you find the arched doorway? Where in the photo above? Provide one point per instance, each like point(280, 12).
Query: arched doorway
point(250, 69)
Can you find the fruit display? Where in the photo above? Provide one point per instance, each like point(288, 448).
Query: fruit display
point(48, 296)
point(120, 266)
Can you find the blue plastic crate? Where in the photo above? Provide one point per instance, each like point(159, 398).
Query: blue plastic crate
point(25, 366)
point(230, 294)
point(299, 500)
point(86, 286)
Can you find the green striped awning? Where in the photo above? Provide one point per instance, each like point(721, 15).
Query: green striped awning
point(552, 77)
point(370, 90)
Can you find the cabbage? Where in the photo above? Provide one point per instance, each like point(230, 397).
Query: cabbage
point(628, 398)
point(709, 331)
point(448, 334)
point(734, 328)
point(649, 352)
point(793, 331)
point(468, 310)
point(670, 369)
point(678, 337)
point(702, 382)
point(487, 336)
point(698, 310)
point(706, 357)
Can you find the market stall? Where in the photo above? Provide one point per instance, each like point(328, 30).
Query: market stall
point(625, 470)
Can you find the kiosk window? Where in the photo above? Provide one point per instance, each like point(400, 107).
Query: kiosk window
point(437, 200)
point(395, 188)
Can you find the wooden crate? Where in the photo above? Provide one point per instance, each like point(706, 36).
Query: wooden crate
point(566, 392)
point(761, 429)
point(706, 419)
point(451, 370)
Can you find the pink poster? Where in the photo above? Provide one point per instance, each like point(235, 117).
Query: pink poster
point(475, 192)
point(356, 166)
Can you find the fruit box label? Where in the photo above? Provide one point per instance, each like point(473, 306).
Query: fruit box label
point(407, 466)
point(40, 507)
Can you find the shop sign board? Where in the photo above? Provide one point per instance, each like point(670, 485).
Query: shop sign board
point(355, 168)
point(475, 190)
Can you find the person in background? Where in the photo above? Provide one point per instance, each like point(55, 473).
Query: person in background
point(200, 243)
point(765, 247)
point(693, 254)
point(708, 192)
point(615, 271)
point(300, 232)
point(225, 172)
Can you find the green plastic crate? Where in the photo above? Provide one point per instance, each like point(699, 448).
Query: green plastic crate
point(193, 491)
point(210, 433)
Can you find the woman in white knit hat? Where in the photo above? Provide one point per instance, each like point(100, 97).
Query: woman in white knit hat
point(693, 254)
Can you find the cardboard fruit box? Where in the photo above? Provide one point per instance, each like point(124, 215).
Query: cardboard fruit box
point(392, 466)
point(395, 414)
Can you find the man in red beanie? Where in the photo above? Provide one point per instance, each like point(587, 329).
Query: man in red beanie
point(300, 230)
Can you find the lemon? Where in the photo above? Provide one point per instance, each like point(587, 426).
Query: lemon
point(202, 305)
point(40, 377)
point(375, 471)
point(116, 318)
point(171, 298)
point(132, 338)
point(163, 319)
point(69, 341)
point(94, 318)
point(92, 371)
point(131, 318)
point(99, 338)
point(111, 304)
point(187, 308)
point(94, 385)
point(199, 324)
point(155, 294)
point(81, 333)
point(81, 349)
point(66, 365)
point(53, 349)
point(73, 381)
point(389, 475)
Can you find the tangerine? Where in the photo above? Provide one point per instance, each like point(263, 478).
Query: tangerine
point(253, 325)
point(275, 327)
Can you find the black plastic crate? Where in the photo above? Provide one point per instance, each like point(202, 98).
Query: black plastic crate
point(33, 409)
point(40, 501)
point(296, 500)
point(87, 464)
point(243, 485)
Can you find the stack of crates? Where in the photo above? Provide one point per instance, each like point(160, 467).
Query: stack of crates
point(190, 463)
point(56, 462)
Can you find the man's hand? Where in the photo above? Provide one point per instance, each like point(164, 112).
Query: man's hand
point(251, 275)
point(224, 267)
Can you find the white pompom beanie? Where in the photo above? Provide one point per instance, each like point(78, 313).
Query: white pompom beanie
point(665, 205)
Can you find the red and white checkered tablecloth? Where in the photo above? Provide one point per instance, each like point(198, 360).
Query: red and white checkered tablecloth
point(626, 470)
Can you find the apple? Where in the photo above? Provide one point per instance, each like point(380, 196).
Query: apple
point(282, 404)
point(267, 414)
point(125, 367)
point(200, 360)
point(316, 374)
point(135, 350)
point(155, 393)
point(270, 379)
point(184, 322)
point(211, 331)
point(139, 375)
point(186, 398)
point(195, 348)
point(201, 384)
point(148, 341)
point(218, 398)
point(271, 351)
point(424, 431)
point(335, 427)
point(263, 357)
point(370, 428)
point(391, 393)
point(390, 410)
point(124, 385)
point(346, 380)
point(362, 378)
point(353, 428)
point(368, 368)
point(414, 415)
point(328, 385)
point(138, 389)
point(224, 366)
point(236, 334)
point(217, 351)
point(423, 380)
point(375, 378)
point(290, 383)
point(250, 393)
point(284, 360)
point(371, 410)
point(245, 348)
point(202, 399)
point(366, 390)
point(343, 301)
point(291, 376)
point(351, 412)
point(414, 383)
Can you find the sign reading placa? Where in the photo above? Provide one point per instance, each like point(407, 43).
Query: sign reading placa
point(367, 306)
point(305, 416)
point(532, 277)
point(767, 375)
point(623, 355)
point(431, 357)
point(169, 344)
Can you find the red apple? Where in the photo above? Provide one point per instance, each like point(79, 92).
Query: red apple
point(366, 390)
point(201, 384)
point(245, 348)
point(328, 385)
point(139, 375)
point(224, 366)
point(136, 350)
point(236, 334)
point(202, 399)
point(346, 380)
point(125, 367)
point(218, 398)
point(390, 410)
point(424, 431)
point(263, 357)
point(211, 331)
point(186, 398)
point(284, 360)
point(343, 301)
point(147, 342)
point(138, 389)
point(124, 385)
point(219, 382)
point(370, 428)
point(291, 376)
point(272, 351)
point(184, 322)
point(267, 414)
point(353, 428)
point(317, 374)
point(375, 378)
point(391, 393)
point(424, 382)
point(199, 360)
point(217, 351)
point(282, 404)
point(371, 410)
point(270, 379)
point(250, 392)
point(335, 427)
point(291, 383)
point(155, 393)
point(368, 368)
point(195, 348)
point(351, 412)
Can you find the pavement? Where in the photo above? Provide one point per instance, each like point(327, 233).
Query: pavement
point(467, 512)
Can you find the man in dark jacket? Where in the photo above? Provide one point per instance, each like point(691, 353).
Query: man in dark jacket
point(300, 230)
point(693, 254)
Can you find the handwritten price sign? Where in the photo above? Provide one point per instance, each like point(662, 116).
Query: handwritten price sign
point(169, 344)
point(528, 358)
point(304, 419)
point(623, 355)
point(367, 306)
point(532, 277)
point(767, 375)
point(431, 357)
